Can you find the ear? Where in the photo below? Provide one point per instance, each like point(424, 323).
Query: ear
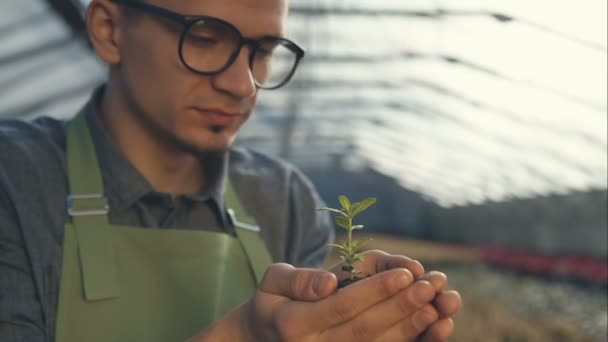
point(103, 26)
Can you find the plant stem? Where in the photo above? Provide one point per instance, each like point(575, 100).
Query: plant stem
point(350, 245)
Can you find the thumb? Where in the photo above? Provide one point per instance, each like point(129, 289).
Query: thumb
point(304, 284)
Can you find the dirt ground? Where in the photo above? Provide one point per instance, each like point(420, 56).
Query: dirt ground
point(501, 307)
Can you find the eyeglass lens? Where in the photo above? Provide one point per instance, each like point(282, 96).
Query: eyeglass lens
point(208, 46)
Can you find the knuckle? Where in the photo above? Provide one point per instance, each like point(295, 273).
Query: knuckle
point(378, 258)
point(273, 272)
point(376, 253)
point(423, 318)
point(389, 282)
point(387, 286)
point(429, 312)
point(273, 269)
point(408, 300)
point(399, 260)
point(297, 283)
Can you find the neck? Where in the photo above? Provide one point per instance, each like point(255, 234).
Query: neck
point(165, 166)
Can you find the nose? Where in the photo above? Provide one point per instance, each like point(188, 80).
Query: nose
point(237, 80)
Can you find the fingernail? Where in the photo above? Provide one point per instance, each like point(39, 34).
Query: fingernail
point(317, 284)
point(402, 281)
point(422, 294)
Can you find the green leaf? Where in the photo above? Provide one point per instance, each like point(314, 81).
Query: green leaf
point(359, 226)
point(358, 258)
point(342, 222)
point(336, 246)
point(358, 245)
point(361, 206)
point(333, 210)
point(353, 208)
point(344, 251)
point(345, 202)
point(364, 253)
point(362, 244)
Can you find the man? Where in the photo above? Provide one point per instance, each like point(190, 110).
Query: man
point(135, 220)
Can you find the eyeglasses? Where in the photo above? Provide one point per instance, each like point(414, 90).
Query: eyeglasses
point(209, 46)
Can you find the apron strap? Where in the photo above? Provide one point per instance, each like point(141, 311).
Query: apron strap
point(248, 234)
point(88, 209)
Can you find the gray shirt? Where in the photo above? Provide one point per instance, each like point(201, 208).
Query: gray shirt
point(33, 188)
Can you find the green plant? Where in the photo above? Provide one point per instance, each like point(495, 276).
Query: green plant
point(350, 250)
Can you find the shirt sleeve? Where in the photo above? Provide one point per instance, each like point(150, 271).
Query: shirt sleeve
point(21, 318)
point(312, 230)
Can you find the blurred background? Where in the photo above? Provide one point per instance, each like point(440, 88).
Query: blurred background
point(480, 127)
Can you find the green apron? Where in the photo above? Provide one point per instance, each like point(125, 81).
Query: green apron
point(142, 284)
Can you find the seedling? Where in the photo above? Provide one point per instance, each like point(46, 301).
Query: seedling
point(350, 250)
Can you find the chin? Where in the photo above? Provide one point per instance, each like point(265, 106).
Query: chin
point(205, 143)
point(214, 148)
point(219, 143)
point(201, 139)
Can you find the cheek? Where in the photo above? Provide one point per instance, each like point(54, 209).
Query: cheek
point(156, 78)
point(250, 106)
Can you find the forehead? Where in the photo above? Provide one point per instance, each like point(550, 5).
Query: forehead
point(251, 17)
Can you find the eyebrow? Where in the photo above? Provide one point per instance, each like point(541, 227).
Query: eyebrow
point(258, 37)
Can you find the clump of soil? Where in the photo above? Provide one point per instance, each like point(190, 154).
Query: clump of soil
point(345, 282)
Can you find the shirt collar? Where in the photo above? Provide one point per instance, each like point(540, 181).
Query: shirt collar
point(124, 185)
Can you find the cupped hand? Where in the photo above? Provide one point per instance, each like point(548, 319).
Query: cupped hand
point(446, 303)
point(302, 305)
point(397, 302)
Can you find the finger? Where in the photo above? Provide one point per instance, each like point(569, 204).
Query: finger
point(386, 261)
point(347, 302)
point(438, 279)
point(439, 331)
point(375, 321)
point(411, 327)
point(298, 283)
point(448, 303)
point(377, 261)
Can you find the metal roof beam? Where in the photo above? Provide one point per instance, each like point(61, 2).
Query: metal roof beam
point(71, 13)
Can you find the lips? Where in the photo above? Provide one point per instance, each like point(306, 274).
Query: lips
point(218, 117)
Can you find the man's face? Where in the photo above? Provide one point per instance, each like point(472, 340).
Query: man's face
point(197, 112)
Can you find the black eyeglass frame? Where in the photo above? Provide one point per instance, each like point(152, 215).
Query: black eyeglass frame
point(188, 21)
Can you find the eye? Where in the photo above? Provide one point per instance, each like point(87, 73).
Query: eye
point(203, 34)
point(263, 53)
point(203, 41)
point(266, 49)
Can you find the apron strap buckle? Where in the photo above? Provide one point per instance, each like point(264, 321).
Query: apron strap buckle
point(87, 205)
point(240, 224)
